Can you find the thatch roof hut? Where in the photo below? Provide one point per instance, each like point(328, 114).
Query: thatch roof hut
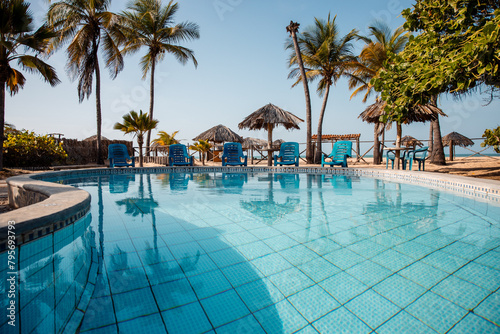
point(249, 142)
point(219, 134)
point(420, 113)
point(94, 138)
point(411, 141)
point(455, 138)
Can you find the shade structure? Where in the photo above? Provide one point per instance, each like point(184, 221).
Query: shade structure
point(94, 138)
point(455, 138)
point(219, 134)
point(249, 142)
point(411, 141)
point(268, 117)
point(420, 113)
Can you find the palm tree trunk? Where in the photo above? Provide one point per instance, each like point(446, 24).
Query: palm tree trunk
point(2, 121)
point(376, 146)
point(100, 160)
point(151, 100)
point(431, 140)
point(398, 143)
point(438, 157)
point(319, 152)
point(140, 141)
point(293, 28)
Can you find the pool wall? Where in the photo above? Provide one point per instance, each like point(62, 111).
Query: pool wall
point(46, 207)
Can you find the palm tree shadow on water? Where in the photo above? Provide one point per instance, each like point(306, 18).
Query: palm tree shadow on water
point(170, 279)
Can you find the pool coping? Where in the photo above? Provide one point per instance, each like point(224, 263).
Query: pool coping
point(45, 207)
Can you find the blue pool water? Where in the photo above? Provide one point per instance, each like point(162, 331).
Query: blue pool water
point(267, 253)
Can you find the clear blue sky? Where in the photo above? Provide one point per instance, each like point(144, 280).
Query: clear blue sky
point(242, 66)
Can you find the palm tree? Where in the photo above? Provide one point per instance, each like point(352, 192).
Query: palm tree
point(148, 23)
point(87, 24)
point(381, 41)
point(293, 28)
point(138, 124)
point(202, 146)
point(16, 32)
point(327, 57)
point(164, 140)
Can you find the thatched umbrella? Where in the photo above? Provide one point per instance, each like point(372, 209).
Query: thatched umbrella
point(250, 142)
point(455, 138)
point(219, 134)
point(94, 138)
point(420, 113)
point(268, 117)
point(410, 141)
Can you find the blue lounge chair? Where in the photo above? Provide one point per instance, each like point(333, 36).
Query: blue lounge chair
point(232, 155)
point(118, 156)
point(289, 154)
point(178, 156)
point(341, 150)
point(419, 156)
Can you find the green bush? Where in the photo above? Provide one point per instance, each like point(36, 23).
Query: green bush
point(492, 139)
point(27, 149)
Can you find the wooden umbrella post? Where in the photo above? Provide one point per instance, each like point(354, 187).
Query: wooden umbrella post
point(269, 144)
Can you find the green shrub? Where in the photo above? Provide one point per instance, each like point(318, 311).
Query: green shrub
point(27, 149)
point(492, 139)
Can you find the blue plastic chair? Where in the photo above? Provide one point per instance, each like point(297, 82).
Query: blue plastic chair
point(341, 151)
point(419, 156)
point(232, 155)
point(289, 154)
point(390, 155)
point(178, 156)
point(118, 156)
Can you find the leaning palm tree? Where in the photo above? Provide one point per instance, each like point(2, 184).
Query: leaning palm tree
point(138, 124)
point(378, 44)
point(149, 24)
point(87, 25)
point(327, 57)
point(202, 147)
point(16, 33)
point(166, 139)
point(293, 28)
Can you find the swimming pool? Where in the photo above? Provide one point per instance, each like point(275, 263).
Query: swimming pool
point(267, 252)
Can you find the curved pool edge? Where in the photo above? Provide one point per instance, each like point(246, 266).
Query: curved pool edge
point(45, 207)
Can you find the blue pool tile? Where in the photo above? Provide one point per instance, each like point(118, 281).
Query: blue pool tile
point(218, 310)
point(399, 290)
point(369, 272)
point(143, 325)
point(177, 238)
point(393, 260)
point(343, 287)
point(120, 246)
point(344, 258)
point(307, 330)
point(101, 288)
point(387, 239)
point(122, 261)
point(172, 294)
point(155, 255)
point(254, 250)
point(265, 232)
point(434, 240)
point(280, 242)
point(99, 313)
point(490, 259)
point(198, 264)
point(403, 322)
point(127, 280)
point(133, 304)
point(164, 272)
point(226, 257)
point(345, 238)
point(259, 294)
point(423, 274)
point(185, 250)
point(489, 307)
point(341, 320)
point(486, 277)
point(209, 284)
point(240, 238)
point(464, 250)
point(429, 305)
point(214, 244)
point(445, 261)
point(247, 324)
point(148, 243)
point(460, 292)
point(187, 319)
point(111, 329)
point(366, 248)
point(281, 317)
point(372, 308)
point(291, 281)
point(322, 246)
point(241, 273)
point(472, 324)
point(298, 255)
point(271, 264)
point(319, 269)
point(413, 249)
point(313, 302)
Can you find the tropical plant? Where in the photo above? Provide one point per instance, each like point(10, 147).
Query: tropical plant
point(202, 146)
point(381, 42)
point(293, 28)
point(87, 25)
point(492, 138)
point(327, 57)
point(138, 124)
point(17, 33)
point(27, 149)
point(149, 24)
point(166, 139)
